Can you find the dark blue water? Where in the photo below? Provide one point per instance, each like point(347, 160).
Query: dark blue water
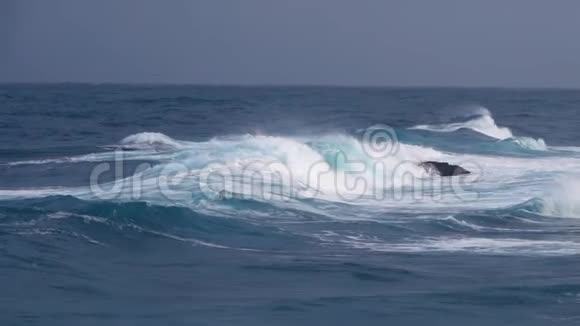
point(500, 246)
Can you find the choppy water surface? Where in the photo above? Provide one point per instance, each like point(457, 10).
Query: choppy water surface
point(185, 205)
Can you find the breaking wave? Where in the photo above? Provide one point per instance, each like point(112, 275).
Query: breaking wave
point(560, 200)
point(482, 122)
point(293, 167)
point(273, 176)
point(151, 140)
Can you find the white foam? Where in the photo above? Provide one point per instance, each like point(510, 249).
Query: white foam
point(531, 143)
point(99, 157)
point(146, 140)
point(453, 244)
point(484, 124)
point(571, 149)
point(144, 146)
point(504, 181)
point(496, 246)
point(18, 194)
point(562, 199)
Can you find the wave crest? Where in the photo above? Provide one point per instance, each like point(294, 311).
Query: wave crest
point(561, 199)
point(482, 122)
point(289, 168)
point(150, 140)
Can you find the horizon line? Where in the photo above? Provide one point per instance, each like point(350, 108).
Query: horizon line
point(287, 85)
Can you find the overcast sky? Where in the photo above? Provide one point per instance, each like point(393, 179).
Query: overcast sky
point(524, 43)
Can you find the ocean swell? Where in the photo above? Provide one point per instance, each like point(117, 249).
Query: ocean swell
point(482, 122)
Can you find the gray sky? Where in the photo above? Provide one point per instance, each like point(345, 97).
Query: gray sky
point(524, 43)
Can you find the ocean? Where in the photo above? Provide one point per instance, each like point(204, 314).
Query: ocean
point(211, 205)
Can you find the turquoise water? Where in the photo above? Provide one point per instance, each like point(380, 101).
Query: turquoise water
point(191, 205)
